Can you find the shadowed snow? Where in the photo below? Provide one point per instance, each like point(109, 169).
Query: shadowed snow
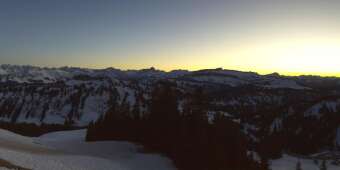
point(67, 150)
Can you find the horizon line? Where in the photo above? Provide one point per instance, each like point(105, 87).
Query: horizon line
point(263, 73)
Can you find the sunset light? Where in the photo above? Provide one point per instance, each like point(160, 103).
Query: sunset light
point(289, 37)
point(170, 84)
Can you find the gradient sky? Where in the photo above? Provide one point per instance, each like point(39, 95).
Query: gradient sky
point(286, 36)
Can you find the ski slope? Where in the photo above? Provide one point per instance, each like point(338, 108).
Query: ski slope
point(67, 151)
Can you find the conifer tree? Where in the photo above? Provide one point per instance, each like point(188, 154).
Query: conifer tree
point(164, 116)
point(298, 165)
point(323, 165)
point(264, 165)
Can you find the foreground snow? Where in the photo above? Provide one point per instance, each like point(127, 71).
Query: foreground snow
point(289, 163)
point(67, 150)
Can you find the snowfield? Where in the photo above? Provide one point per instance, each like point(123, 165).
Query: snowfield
point(67, 150)
point(289, 163)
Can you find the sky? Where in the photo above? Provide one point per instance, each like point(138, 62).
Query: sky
point(286, 36)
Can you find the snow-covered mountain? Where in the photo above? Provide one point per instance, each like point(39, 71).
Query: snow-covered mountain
point(281, 110)
point(30, 74)
point(77, 96)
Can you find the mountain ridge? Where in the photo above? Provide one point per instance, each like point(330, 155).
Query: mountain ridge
point(274, 74)
point(33, 74)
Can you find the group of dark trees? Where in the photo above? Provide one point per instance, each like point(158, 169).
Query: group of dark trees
point(296, 130)
point(186, 136)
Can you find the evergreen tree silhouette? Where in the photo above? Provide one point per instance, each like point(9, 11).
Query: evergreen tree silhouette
point(323, 165)
point(164, 116)
point(298, 165)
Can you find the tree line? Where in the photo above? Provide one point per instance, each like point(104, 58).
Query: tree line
point(186, 136)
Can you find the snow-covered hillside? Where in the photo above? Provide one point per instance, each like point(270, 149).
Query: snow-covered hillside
point(78, 96)
point(67, 151)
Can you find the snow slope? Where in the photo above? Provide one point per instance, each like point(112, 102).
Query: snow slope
point(289, 163)
point(284, 83)
point(67, 150)
point(123, 152)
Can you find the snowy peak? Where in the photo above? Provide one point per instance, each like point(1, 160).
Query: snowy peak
point(30, 74)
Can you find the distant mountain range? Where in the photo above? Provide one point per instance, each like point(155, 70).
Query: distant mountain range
point(31, 74)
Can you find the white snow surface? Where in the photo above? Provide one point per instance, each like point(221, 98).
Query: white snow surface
point(315, 109)
point(283, 83)
point(67, 150)
point(218, 79)
point(2, 71)
point(289, 163)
